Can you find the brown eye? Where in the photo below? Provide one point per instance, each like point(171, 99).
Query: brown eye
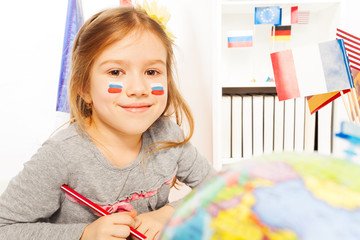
point(152, 72)
point(115, 73)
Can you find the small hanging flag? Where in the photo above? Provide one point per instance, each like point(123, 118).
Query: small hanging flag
point(312, 69)
point(240, 39)
point(303, 17)
point(281, 33)
point(289, 15)
point(268, 15)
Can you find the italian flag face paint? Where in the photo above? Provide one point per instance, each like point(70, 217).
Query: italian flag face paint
point(115, 87)
point(157, 89)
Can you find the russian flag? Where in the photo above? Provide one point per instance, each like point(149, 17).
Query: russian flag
point(157, 89)
point(240, 39)
point(115, 87)
point(311, 70)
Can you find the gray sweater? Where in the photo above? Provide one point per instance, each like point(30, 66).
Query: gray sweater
point(34, 207)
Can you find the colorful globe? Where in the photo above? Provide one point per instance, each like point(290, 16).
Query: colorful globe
point(283, 196)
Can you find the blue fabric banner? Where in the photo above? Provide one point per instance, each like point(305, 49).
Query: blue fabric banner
point(74, 20)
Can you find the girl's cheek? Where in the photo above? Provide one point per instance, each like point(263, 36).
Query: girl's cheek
point(157, 89)
point(115, 87)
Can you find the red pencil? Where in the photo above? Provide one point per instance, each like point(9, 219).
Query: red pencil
point(97, 208)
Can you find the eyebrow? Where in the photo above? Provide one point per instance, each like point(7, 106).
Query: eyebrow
point(150, 62)
point(156, 61)
point(112, 61)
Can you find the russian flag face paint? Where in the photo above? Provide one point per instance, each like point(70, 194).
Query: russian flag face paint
point(115, 87)
point(157, 89)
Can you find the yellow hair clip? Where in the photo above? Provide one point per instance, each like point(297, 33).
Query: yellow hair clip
point(160, 15)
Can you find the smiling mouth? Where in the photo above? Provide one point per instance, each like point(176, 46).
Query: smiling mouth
point(136, 108)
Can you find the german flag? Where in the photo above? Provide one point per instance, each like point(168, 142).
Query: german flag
point(281, 33)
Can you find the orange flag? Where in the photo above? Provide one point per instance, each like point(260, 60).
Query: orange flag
point(316, 102)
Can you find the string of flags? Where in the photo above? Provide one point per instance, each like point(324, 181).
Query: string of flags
point(321, 72)
point(280, 18)
point(352, 49)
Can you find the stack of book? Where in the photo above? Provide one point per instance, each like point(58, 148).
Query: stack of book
point(257, 124)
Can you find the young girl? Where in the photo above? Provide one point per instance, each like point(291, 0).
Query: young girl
point(122, 149)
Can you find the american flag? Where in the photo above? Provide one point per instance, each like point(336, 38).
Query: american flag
point(303, 17)
point(352, 46)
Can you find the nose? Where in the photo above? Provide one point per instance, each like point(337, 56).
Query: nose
point(137, 86)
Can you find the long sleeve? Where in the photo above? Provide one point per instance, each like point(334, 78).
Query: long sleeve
point(32, 199)
point(193, 168)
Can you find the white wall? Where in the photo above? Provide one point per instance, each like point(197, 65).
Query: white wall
point(30, 57)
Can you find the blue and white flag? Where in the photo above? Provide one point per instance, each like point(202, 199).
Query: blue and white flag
point(74, 20)
point(268, 15)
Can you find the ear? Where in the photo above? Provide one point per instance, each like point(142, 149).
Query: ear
point(85, 95)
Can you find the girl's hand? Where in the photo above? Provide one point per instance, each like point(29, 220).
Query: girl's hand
point(114, 226)
point(152, 223)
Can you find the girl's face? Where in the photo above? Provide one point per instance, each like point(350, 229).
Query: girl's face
point(128, 84)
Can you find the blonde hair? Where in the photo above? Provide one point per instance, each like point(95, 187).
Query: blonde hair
point(98, 33)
